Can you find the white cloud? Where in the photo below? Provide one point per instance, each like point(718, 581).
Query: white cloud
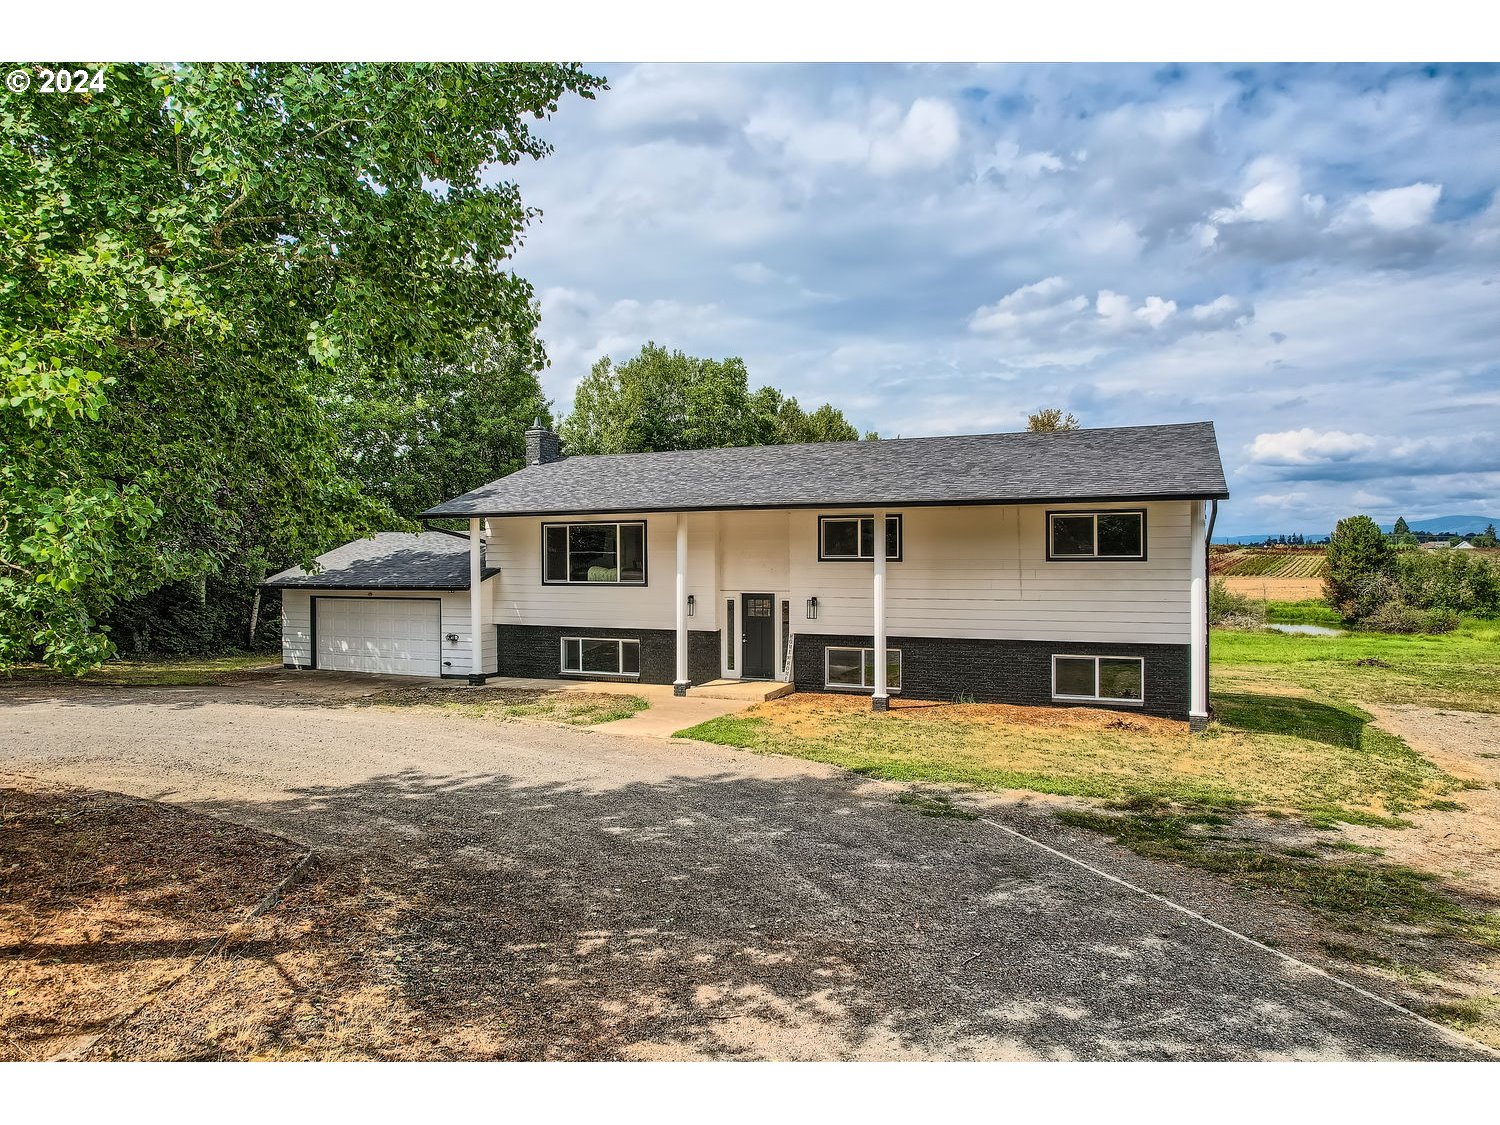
point(926, 137)
point(1033, 306)
point(1007, 159)
point(1049, 311)
point(881, 138)
point(1272, 194)
point(1156, 312)
point(1308, 446)
point(1394, 209)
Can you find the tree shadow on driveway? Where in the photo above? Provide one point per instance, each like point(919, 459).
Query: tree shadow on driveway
point(728, 916)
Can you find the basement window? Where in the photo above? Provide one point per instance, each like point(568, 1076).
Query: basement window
point(852, 538)
point(1099, 679)
point(594, 553)
point(1073, 536)
point(601, 656)
point(853, 669)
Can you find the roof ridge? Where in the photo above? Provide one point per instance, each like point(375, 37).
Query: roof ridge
point(877, 441)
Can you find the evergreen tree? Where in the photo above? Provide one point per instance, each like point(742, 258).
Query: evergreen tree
point(1357, 553)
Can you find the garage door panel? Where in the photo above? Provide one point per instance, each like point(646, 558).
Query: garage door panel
point(395, 636)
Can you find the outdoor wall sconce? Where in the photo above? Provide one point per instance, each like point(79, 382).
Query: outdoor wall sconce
point(812, 609)
point(452, 638)
point(691, 604)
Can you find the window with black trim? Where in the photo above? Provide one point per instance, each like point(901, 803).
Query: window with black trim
point(1096, 535)
point(853, 669)
point(852, 538)
point(593, 553)
point(1099, 679)
point(601, 656)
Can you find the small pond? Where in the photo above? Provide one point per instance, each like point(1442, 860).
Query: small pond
point(1310, 630)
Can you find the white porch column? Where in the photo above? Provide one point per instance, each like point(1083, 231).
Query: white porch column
point(882, 699)
point(680, 684)
point(1198, 621)
point(476, 615)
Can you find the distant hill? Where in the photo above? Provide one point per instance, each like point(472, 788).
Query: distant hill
point(1457, 525)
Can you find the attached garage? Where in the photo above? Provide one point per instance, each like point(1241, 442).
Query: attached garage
point(394, 636)
point(395, 604)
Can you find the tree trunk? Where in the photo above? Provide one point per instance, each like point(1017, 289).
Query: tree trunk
point(254, 619)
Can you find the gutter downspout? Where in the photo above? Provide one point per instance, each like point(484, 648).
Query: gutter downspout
point(1208, 542)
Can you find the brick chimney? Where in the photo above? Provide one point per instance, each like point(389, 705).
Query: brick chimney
point(542, 445)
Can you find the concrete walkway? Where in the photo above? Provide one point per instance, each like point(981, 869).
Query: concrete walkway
point(667, 713)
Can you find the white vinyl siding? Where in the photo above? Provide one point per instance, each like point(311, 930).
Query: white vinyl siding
point(522, 598)
point(982, 572)
point(976, 571)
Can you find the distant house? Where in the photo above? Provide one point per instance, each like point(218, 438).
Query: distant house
point(1064, 568)
point(1435, 545)
point(1464, 545)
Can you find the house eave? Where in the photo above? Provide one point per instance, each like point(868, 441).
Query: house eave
point(832, 502)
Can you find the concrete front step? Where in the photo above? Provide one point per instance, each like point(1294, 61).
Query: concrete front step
point(751, 691)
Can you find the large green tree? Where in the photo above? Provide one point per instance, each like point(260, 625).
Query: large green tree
point(662, 400)
point(195, 262)
point(446, 426)
point(1357, 556)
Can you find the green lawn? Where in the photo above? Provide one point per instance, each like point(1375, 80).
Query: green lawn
point(1458, 670)
point(1314, 612)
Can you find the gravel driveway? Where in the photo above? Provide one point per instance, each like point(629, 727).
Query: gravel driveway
point(673, 900)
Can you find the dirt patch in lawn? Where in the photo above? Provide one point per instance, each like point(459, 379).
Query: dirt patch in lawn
point(1281, 753)
point(814, 715)
point(123, 935)
point(1459, 838)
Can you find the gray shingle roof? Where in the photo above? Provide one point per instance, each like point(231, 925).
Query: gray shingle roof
point(1127, 463)
point(391, 560)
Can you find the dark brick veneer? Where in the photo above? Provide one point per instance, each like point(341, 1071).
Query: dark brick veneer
point(535, 650)
point(1000, 671)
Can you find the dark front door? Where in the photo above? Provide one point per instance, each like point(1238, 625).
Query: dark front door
point(760, 637)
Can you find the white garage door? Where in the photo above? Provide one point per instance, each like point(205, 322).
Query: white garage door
point(397, 636)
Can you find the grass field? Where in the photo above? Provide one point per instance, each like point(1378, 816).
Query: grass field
point(1459, 670)
point(180, 671)
point(1281, 753)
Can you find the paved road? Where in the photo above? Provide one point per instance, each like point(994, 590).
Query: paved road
point(664, 899)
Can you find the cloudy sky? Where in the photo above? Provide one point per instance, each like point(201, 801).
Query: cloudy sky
point(1308, 256)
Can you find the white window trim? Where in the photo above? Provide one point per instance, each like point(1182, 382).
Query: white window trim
point(1096, 697)
point(1054, 555)
point(618, 642)
point(568, 554)
point(826, 556)
point(828, 685)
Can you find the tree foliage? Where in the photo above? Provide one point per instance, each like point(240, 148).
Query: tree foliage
point(1357, 553)
point(446, 426)
point(662, 400)
point(195, 263)
point(1050, 420)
